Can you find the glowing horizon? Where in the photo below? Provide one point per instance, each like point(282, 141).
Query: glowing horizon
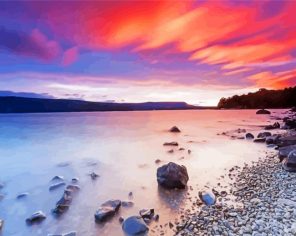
point(192, 51)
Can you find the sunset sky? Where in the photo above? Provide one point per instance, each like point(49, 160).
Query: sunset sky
point(135, 51)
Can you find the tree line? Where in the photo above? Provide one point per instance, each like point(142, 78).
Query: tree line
point(263, 98)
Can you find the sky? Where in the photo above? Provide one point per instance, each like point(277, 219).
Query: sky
point(136, 51)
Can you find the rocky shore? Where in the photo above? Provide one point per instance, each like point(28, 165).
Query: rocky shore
point(261, 199)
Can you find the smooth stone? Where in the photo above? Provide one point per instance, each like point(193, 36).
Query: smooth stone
point(207, 197)
point(263, 112)
point(175, 129)
point(134, 225)
point(170, 144)
point(249, 136)
point(57, 185)
point(64, 203)
point(22, 195)
point(74, 180)
point(58, 177)
point(172, 176)
point(263, 134)
point(36, 217)
point(107, 210)
point(127, 204)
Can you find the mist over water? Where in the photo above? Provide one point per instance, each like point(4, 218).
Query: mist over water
point(122, 148)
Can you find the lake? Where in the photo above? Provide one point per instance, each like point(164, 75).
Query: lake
point(122, 148)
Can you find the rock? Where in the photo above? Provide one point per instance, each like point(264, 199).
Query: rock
point(286, 141)
point(276, 125)
point(134, 225)
point(207, 198)
point(263, 112)
point(249, 136)
point(170, 144)
point(73, 187)
point(127, 204)
point(120, 219)
point(57, 185)
point(157, 161)
point(289, 163)
point(175, 129)
point(259, 140)
point(64, 203)
point(148, 214)
point(94, 175)
point(172, 175)
point(272, 139)
point(290, 123)
point(74, 180)
point(1, 224)
point(171, 151)
point(58, 178)
point(293, 229)
point(107, 210)
point(284, 151)
point(36, 217)
point(72, 233)
point(130, 195)
point(263, 134)
point(22, 195)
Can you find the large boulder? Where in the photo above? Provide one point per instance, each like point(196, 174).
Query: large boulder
point(289, 163)
point(249, 136)
point(263, 112)
point(172, 176)
point(107, 210)
point(134, 225)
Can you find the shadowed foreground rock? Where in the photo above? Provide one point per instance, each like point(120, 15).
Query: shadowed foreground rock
point(172, 176)
point(107, 210)
point(134, 225)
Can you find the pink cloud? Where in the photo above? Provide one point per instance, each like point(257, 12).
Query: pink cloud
point(70, 56)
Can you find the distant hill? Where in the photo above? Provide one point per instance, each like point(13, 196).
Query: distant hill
point(11, 104)
point(263, 98)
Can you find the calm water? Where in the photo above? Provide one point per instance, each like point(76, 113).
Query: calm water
point(122, 148)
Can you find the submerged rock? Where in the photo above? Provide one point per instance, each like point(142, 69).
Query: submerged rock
point(249, 136)
point(57, 185)
point(107, 210)
point(263, 112)
point(207, 198)
point(134, 225)
point(36, 217)
point(170, 144)
point(172, 175)
point(22, 195)
point(175, 129)
point(74, 180)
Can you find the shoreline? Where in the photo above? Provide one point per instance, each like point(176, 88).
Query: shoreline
point(261, 200)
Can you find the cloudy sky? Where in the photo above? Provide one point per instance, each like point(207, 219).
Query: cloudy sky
point(134, 51)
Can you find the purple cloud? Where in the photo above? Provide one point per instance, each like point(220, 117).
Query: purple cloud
point(35, 44)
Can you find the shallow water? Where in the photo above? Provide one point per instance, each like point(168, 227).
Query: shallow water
point(120, 146)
